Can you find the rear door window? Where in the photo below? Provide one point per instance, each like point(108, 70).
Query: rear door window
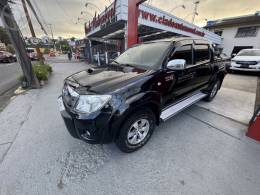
point(202, 53)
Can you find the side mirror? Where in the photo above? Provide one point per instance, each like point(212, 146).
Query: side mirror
point(234, 55)
point(178, 64)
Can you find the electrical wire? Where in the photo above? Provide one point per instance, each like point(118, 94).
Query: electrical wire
point(39, 11)
point(65, 13)
point(36, 16)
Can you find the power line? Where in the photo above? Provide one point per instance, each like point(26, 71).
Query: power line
point(65, 13)
point(36, 16)
point(39, 11)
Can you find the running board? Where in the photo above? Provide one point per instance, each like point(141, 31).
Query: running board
point(174, 109)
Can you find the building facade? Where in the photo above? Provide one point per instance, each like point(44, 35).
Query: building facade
point(109, 29)
point(237, 33)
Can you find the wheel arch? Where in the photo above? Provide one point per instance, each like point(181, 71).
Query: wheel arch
point(221, 76)
point(154, 107)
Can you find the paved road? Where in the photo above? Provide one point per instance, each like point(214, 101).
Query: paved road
point(9, 72)
point(196, 152)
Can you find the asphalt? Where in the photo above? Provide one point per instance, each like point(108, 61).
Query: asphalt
point(197, 152)
point(9, 74)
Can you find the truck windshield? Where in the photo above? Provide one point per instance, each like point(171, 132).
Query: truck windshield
point(249, 53)
point(147, 55)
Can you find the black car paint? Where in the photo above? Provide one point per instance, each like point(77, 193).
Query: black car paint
point(133, 88)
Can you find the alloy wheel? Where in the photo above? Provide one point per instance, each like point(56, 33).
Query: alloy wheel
point(138, 131)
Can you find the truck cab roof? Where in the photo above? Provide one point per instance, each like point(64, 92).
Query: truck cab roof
point(177, 39)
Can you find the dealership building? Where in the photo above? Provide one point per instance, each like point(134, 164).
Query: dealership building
point(237, 33)
point(110, 30)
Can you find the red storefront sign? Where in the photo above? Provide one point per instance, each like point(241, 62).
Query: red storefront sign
point(100, 20)
point(168, 22)
point(133, 14)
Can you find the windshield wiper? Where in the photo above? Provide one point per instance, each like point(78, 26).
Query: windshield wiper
point(116, 62)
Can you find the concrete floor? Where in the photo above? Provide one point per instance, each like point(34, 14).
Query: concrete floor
point(196, 152)
point(236, 99)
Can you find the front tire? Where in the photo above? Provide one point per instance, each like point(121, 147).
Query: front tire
point(136, 131)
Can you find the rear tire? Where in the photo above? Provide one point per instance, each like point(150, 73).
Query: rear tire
point(136, 131)
point(213, 91)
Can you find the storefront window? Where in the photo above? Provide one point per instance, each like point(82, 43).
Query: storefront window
point(247, 32)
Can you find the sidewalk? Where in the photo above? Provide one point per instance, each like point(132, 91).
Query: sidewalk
point(197, 152)
point(17, 113)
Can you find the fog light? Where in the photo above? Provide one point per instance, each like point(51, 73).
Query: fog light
point(86, 135)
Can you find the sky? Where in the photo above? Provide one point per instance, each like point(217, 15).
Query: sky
point(63, 14)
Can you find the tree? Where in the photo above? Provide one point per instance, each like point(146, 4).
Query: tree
point(4, 36)
point(46, 51)
point(16, 39)
point(10, 48)
point(63, 45)
point(73, 39)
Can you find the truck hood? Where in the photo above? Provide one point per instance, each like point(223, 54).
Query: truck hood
point(247, 58)
point(107, 79)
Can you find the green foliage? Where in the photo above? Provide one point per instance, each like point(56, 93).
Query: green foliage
point(63, 45)
point(10, 48)
point(46, 51)
point(42, 71)
point(4, 38)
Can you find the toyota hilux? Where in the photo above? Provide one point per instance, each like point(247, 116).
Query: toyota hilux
point(148, 84)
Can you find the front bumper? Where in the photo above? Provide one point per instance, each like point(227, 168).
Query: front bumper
point(93, 129)
point(245, 69)
point(250, 68)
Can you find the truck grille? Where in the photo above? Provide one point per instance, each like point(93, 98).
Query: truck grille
point(247, 62)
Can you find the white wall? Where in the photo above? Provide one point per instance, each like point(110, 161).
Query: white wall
point(230, 41)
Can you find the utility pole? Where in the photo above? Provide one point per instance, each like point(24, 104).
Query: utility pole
point(195, 12)
point(32, 30)
point(54, 44)
point(18, 43)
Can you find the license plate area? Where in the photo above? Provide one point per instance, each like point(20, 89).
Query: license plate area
point(244, 66)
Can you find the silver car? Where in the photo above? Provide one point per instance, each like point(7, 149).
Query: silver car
point(246, 60)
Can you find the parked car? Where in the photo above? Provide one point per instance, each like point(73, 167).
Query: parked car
point(246, 60)
point(7, 57)
point(32, 54)
point(146, 85)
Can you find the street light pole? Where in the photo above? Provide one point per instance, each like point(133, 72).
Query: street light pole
point(195, 12)
point(179, 6)
point(185, 18)
point(54, 44)
point(92, 4)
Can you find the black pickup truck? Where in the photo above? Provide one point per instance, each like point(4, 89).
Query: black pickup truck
point(146, 85)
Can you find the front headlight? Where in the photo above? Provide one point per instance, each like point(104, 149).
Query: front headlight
point(92, 103)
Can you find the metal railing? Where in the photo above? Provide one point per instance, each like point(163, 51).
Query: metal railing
point(104, 58)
